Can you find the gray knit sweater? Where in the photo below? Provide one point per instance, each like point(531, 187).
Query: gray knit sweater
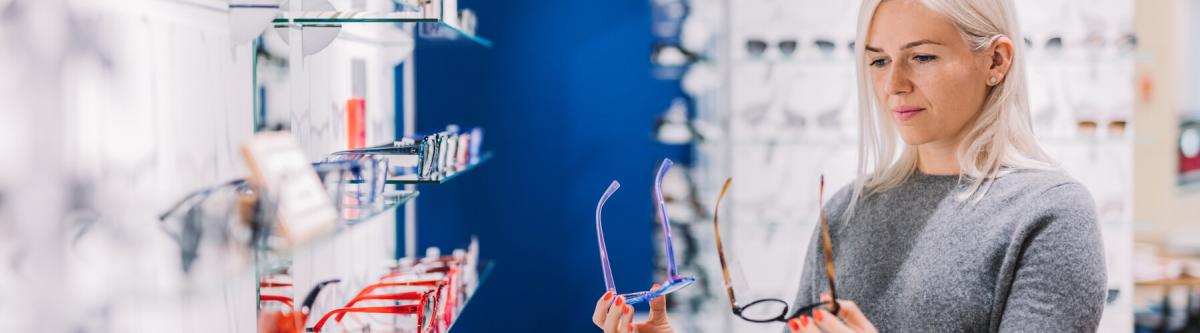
point(1027, 258)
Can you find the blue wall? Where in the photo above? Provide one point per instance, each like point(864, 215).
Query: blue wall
point(568, 103)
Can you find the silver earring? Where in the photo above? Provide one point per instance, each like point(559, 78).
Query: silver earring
point(992, 81)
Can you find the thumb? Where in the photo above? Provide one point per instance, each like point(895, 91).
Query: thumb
point(658, 306)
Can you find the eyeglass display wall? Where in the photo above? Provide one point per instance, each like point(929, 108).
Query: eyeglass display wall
point(770, 99)
point(132, 157)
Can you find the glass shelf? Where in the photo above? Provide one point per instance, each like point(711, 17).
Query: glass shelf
point(483, 276)
point(354, 214)
point(432, 28)
point(271, 257)
point(441, 177)
point(444, 31)
point(352, 17)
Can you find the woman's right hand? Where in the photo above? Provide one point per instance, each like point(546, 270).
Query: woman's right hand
point(617, 317)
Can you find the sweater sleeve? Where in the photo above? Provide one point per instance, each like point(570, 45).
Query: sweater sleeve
point(1057, 281)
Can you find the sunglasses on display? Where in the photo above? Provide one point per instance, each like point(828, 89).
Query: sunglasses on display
point(773, 309)
point(788, 47)
point(674, 281)
point(758, 47)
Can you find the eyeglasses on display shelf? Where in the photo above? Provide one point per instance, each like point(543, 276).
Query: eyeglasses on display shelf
point(423, 295)
point(234, 212)
point(772, 309)
point(426, 159)
point(288, 319)
point(422, 305)
point(757, 48)
point(674, 281)
point(427, 295)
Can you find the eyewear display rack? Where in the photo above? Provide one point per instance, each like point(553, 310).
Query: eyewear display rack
point(385, 31)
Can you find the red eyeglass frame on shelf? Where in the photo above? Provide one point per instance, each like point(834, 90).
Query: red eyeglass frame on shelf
point(426, 300)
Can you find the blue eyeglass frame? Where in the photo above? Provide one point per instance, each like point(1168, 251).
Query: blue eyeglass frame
point(674, 281)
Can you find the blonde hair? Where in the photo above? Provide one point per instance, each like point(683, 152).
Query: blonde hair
point(1000, 141)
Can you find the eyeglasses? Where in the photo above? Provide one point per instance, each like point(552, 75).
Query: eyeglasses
point(430, 291)
point(674, 282)
point(353, 179)
point(428, 156)
point(758, 47)
point(428, 300)
point(289, 320)
point(773, 309)
point(437, 298)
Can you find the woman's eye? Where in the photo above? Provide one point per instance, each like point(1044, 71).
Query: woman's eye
point(924, 58)
point(878, 62)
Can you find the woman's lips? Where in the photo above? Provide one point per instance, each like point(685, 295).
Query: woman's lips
point(904, 113)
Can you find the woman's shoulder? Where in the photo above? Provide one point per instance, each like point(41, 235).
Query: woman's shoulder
point(839, 202)
point(1044, 193)
point(1044, 184)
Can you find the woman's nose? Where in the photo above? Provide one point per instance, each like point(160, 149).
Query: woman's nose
point(897, 80)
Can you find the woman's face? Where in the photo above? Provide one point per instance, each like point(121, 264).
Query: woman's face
point(925, 75)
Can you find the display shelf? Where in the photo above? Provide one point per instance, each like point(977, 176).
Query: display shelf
point(440, 29)
point(444, 31)
point(333, 17)
point(272, 256)
point(1170, 282)
point(440, 177)
point(354, 214)
point(483, 276)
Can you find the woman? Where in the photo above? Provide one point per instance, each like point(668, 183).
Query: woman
point(971, 227)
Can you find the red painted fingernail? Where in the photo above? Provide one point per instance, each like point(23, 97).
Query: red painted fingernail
point(804, 321)
point(608, 295)
point(631, 328)
point(625, 310)
point(654, 287)
point(794, 325)
point(817, 315)
point(620, 301)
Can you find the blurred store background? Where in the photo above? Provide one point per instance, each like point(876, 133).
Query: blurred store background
point(126, 125)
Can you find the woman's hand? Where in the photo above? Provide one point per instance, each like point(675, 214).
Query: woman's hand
point(617, 317)
point(849, 319)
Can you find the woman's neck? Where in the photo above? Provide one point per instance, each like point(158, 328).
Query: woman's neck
point(939, 159)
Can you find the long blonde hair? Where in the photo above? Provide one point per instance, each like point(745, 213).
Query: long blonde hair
point(1000, 141)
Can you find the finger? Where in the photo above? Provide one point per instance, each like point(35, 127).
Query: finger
point(626, 324)
point(829, 323)
point(803, 325)
point(602, 308)
point(613, 319)
point(658, 306)
point(826, 298)
point(854, 317)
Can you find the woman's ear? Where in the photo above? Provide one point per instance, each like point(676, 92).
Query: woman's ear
point(1002, 56)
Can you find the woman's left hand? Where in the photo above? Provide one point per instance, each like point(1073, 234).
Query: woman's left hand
point(849, 319)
